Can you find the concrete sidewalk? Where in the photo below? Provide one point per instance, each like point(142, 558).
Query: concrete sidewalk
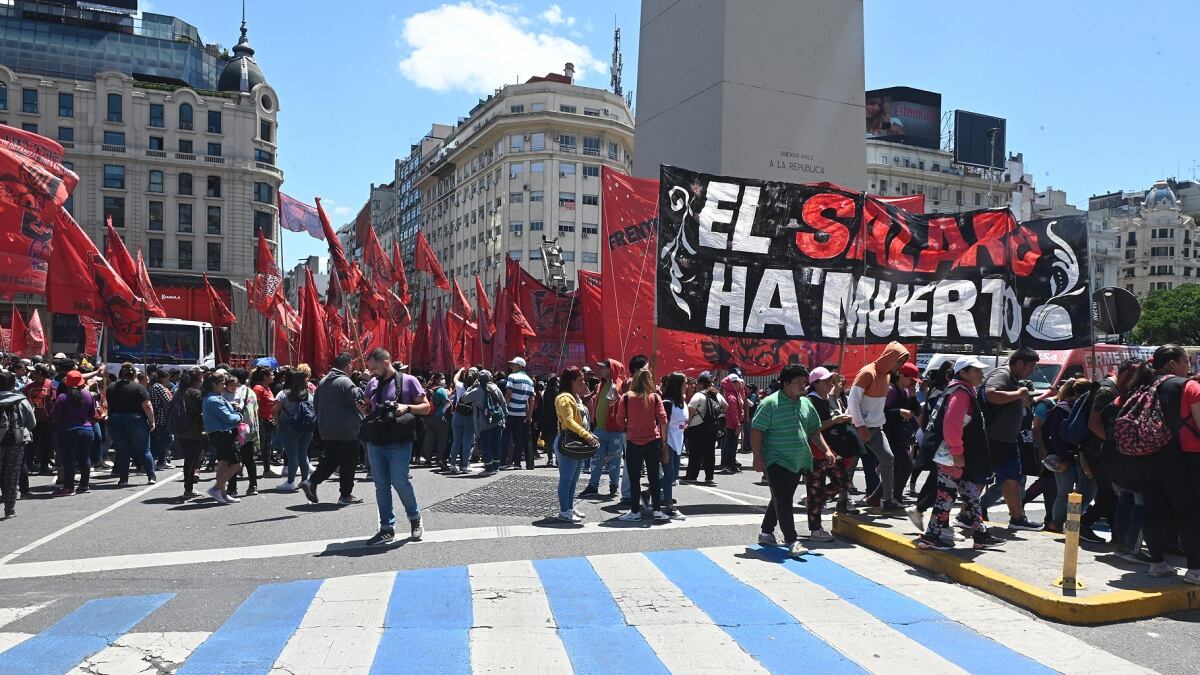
point(1023, 570)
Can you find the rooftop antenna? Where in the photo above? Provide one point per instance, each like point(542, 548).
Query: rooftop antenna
point(615, 67)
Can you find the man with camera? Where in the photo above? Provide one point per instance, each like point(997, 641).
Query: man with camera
point(392, 403)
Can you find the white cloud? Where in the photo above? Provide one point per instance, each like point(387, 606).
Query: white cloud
point(477, 47)
point(554, 16)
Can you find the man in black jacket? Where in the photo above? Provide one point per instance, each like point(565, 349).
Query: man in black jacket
point(338, 419)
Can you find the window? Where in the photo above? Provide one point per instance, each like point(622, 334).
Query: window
point(263, 192)
point(591, 200)
point(214, 121)
point(1162, 270)
point(568, 256)
point(214, 220)
point(185, 217)
point(185, 184)
point(154, 249)
point(591, 228)
point(66, 134)
point(3, 96)
point(213, 257)
point(516, 227)
point(265, 129)
point(185, 146)
point(591, 112)
point(536, 225)
point(114, 207)
point(264, 222)
point(115, 108)
point(995, 200)
point(214, 149)
point(183, 255)
point(614, 151)
point(591, 170)
point(1129, 272)
point(156, 116)
point(958, 197)
point(516, 143)
point(537, 167)
point(30, 127)
point(567, 109)
point(566, 169)
point(537, 141)
point(566, 200)
point(516, 108)
point(535, 254)
point(156, 181)
point(516, 197)
point(29, 100)
point(1129, 254)
point(515, 255)
point(536, 195)
point(903, 188)
point(591, 146)
point(978, 199)
point(214, 186)
point(156, 143)
point(264, 156)
point(114, 176)
point(1162, 251)
point(515, 169)
point(591, 257)
point(1131, 239)
point(114, 138)
point(185, 116)
point(537, 107)
point(154, 216)
point(66, 104)
point(566, 143)
point(566, 227)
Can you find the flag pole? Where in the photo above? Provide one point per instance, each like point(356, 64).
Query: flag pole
point(354, 328)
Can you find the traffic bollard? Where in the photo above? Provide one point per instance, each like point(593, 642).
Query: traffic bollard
point(1069, 581)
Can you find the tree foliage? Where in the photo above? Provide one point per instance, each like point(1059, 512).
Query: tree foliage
point(1171, 316)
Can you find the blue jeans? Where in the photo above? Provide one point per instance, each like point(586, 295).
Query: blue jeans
point(295, 448)
point(489, 447)
point(97, 444)
point(1127, 518)
point(568, 477)
point(612, 449)
point(670, 474)
point(130, 432)
point(462, 435)
point(160, 440)
point(389, 469)
point(1067, 481)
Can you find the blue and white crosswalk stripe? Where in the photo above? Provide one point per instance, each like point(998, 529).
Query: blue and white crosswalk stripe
point(428, 623)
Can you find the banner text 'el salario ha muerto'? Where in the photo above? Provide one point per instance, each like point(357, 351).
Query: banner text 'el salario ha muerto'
point(758, 259)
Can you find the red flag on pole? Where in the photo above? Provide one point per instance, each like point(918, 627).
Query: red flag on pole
point(296, 216)
point(16, 340)
point(268, 281)
point(487, 321)
point(146, 289)
point(383, 273)
point(426, 261)
point(420, 342)
point(401, 278)
point(34, 188)
point(118, 255)
point(459, 303)
point(337, 254)
point(91, 335)
point(35, 337)
point(221, 315)
point(313, 347)
point(82, 282)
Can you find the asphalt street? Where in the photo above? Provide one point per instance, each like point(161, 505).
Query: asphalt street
point(145, 539)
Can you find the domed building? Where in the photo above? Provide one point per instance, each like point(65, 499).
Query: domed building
point(242, 73)
point(1156, 241)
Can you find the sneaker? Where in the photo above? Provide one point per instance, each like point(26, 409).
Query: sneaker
point(844, 506)
point(418, 530)
point(1162, 569)
point(612, 492)
point(189, 494)
point(349, 499)
point(568, 517)
point(589, 490)
point(1024, 523)
point(82, 489)
point(890, 508)
point(286, 487)
point(579, 514)
point(962, 521)
point(230, 499)
point(310, 491)
point(1192, 577)
point(123, 483)
point(676, 514)
point(382, 538)
point(269, 474)
point(984, 541)
point(216, 495)
point(660, 516)
point(927, 543)
point(767, 539)
point(1051, 528)
point(63, 492)
point(917, 518)
point(252, 491)
point(9, 514)
point(1086, 534)
point(796, 549)
point(820, 534)
point(631, 516)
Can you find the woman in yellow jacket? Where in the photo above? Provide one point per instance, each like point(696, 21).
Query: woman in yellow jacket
point(572, 416)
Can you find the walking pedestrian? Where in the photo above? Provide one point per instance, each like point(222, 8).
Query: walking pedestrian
point(160, 399)
point(677, 417)
point(338, 421)
point(260, 383)
point(609, 432)
point(220, 426)
point(130, 423)
point(838, 435)
point(706, 410)
point(548, 429)
point(189, 430)
point(489, 416)
point(295, 418)
point(1006, 398)
point(645, 422)
point(572, 421)
point(462, 422)
point(40, 393)
point(437, 424)
point(18, 419)
point(72, 420)
point(732, 389)
point(865, 405)
point(518, 391)
point(243, 400)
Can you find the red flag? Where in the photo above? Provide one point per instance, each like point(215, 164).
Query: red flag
point(426, 261)
point(589, 296)
point(337, 254)
point(282, 346)
point(401, 278)
point(296, 216)
point(460, 303)
point(268, 281)
point(5, 340)
point(487, 322)
point(419, 349)
point(221, 315)
point(442, 356)
point(91, 335)
point(333, 322)
point(146, 289)
point(285, 315)
point(82, 282)
point(382, 270)
point(118, 255)
point(313, 347)
point(464, 339)
point(16, 340)
point(35, 337)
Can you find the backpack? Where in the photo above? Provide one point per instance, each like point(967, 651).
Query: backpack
point(493, 410)
point(10, 424)
point(1141, 428)
point(934, 434)
point(303, 417)
point(178, 419)
point(1074, 429)
point(713, 417)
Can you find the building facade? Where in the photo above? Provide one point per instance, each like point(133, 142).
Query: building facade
point(894, 170)
point(178, 147)
point(1155, 240)
point(293, 279)
point(522, 166)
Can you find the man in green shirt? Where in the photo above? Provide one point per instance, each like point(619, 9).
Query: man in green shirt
point(785, 430)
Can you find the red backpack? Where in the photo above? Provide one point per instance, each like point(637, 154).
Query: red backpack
point(1141, 428)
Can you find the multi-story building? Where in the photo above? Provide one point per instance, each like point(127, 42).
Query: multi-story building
point(293, 279)
point(173, 139)
point(1155, 239)
point(894, 169)
point(403, 220)
point(522, 166)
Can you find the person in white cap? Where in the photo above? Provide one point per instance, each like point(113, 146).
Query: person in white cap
point(838, 435)
point(961, 458)
point(518, 390)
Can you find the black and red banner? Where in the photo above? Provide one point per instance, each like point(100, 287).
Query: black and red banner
point(771, 261)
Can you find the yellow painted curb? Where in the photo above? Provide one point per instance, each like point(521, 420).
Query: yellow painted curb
point(1086, 611)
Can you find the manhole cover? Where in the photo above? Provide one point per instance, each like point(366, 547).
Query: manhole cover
point(512, 495)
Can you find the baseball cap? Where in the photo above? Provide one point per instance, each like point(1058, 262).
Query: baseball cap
point(968, 362)
point(818, 374)
point(733, 377)
point(602, 364)
point(518, 361)
point(706, 374)
point(910, 369)
point(73, 379)
point(60, 355)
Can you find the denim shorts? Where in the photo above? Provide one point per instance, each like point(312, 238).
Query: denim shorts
point(1009, 470)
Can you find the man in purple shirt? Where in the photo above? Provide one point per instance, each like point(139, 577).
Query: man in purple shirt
point(390, 458)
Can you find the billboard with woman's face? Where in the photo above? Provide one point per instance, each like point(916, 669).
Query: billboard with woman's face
point(904, 115)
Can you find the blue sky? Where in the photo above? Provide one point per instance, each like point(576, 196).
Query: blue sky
point(1097, 100)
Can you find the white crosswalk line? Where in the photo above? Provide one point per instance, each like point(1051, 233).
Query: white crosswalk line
point(850, 629)
point(342, 627)
point(1005, 625)
point(681, 634)
point(11, 614)
point(137, 653)
point(513, 628)
point(10, 640)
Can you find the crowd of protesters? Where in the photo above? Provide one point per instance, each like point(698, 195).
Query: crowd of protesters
point(1129, 444)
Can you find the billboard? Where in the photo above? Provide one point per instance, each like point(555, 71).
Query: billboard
point(978, 140)
point(905, 115)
